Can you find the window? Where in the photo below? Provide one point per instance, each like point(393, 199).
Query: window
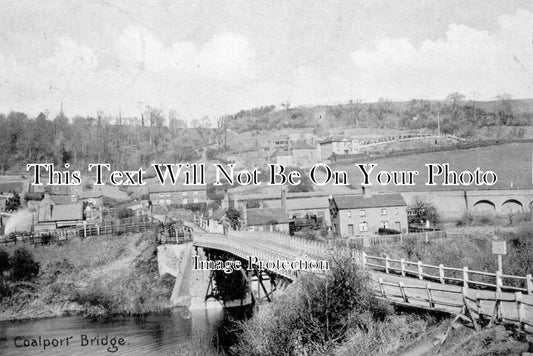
point(161, 194)
point(362, 212)
point(396, 211)
point(383, 211)
point(350, 230)
point(320, 214)
point(184, 194)
point(349, 213)
point(185, 201)
point(385, 224)
point(167, 194)
point(363, 226)
point(195, 200)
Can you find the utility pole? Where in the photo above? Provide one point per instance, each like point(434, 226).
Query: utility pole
point(438, 123)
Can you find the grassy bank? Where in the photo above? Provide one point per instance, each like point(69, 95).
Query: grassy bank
point(100, 275)
point(335, 315)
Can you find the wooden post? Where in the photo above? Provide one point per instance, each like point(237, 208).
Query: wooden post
point(363, 259)
point(381, 288)
point(499, 281)
point(518, 300)
point(430, 296)
point(465, 277)
point(402, 291)
point(529, 284)
point(402, 267)
point(441, 273)
point(419, 264)
point(401, 239)
point(427, 240)
point(387, 265)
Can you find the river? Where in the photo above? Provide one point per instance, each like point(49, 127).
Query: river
point(172, 333)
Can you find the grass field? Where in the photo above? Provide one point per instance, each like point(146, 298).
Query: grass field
point(511, 162)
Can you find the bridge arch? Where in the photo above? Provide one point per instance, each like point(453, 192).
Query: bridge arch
point(512, 206)
point(484, 206)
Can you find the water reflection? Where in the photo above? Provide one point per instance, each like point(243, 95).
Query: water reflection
point(142, 335)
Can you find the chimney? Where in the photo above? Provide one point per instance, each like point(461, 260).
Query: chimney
point(283, 198)
point(225, 201)
point(244, 215)
point(365, 190)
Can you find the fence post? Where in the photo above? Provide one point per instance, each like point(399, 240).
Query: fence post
point(430, 296)
point(404, 296)
point(419, 264)
point(529, 284)
point(380, 280)
point(465, 277)
point(402, 267)
point(387, 265)
point(518, 299)
point(499, 281)
point(441, 273)
point(363, 259)
point(401, 239)
point(427, 240)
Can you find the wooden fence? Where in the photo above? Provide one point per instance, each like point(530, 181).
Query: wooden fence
point(65, 234)
point(510, 308)
point(361, 242)
point(450, 275)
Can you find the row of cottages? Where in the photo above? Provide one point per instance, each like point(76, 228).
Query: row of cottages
point(299, 154)
point(178, 194)
point(364, 214)
point(258, 219)
point(338, 145)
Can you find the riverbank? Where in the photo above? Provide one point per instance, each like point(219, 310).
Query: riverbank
point(97, 276)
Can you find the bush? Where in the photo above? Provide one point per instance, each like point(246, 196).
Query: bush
point(317, 316)
point(125, 213)
point(23, 266)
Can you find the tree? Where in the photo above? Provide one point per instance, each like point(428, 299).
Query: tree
point(423, 209)
point(13, 203)
point(23, 266)
point(233, 217)
point(4, 267)
point(504, 109)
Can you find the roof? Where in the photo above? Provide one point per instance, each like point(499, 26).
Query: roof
point(168, 187)
point(266, 216)
point(61, 199)
point(65, 212)
point(334, 139)
point(217, 214)
point(279, 153)
point(369, 201)
point(302, 145)
point(11, 187)
point(91, 194)
point(308, 203)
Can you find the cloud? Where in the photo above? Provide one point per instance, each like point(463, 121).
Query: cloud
point(226, 57)
point(477, 63)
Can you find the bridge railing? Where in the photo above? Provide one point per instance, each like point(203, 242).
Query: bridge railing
point(309, 247)
point(244, 250)
point(515, 308)
point(450, 275)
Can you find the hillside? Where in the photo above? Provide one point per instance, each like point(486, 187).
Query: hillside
point(511, 162)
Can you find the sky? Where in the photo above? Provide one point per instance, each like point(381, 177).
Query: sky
point(217, 57)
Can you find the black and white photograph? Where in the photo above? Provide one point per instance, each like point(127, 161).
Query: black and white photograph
point(257, 178)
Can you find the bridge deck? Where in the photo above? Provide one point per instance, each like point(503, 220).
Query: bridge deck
point(506, 306)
